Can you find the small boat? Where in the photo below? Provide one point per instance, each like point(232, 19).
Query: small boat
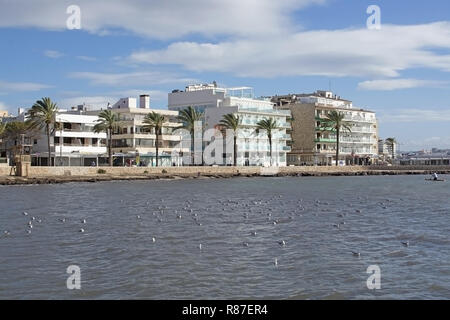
point(430, 179)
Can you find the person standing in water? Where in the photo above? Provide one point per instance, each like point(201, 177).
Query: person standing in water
point(435, 176)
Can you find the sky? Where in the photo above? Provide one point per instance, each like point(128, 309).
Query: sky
point(400, 70)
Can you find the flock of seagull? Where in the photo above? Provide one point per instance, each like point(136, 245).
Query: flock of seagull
point(262, 208)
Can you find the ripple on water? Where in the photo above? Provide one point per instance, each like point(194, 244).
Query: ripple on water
point(118, 258)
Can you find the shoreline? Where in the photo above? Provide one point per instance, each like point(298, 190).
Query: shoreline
point(58, 179)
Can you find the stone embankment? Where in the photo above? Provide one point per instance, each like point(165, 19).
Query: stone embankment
point(46, 175)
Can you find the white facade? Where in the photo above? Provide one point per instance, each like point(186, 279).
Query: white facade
point(253, 148)
point(73, 143)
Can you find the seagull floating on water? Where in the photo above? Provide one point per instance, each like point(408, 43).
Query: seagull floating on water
point(81, 230)
point(405, 243)
point(282, 243)
point(356, 254)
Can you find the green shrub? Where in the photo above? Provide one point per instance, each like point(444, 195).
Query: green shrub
point(101, 171)
point(145, 171)
point(164, 171)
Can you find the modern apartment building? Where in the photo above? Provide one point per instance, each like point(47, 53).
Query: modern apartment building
point(135, 145)
point(74, 143)
point(314, 144)
point(215, 102)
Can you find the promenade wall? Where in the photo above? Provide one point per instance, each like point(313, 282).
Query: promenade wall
point(207, 170)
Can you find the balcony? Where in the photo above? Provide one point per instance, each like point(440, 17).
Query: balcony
point(325, 140)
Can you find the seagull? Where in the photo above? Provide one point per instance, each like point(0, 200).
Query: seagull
point(405, 243)
point(358, 211)
point(356, 254)
point(138, 217)
point(200, 246)
point(282, 243)
point(153, 239)
point(83, 221)
point(25, 213)
point(81, 230)
point(253, 233)
point(245, 244)
point(276, 262)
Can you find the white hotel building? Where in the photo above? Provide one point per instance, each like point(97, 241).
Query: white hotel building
point(74, 143)
point(215, 102)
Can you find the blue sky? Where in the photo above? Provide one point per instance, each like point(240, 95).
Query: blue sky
point(125, 48)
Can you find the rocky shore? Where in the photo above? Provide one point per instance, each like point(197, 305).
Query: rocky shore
point(56, 179)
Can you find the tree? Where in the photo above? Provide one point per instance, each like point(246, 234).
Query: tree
point(335, 121)
point(269, 125)
point(107, 121)
point(189, 117)
point(232, 122)
point(391, 142)
point(14, 132)
point(155, 121)
point(43, 115)
point(2, 129)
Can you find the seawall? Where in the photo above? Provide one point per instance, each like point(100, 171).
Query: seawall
point(42, 175)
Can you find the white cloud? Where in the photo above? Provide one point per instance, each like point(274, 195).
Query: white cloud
point(158, 18)
point(414, 115)
point(346, 52)
point(86, 58)
point(3, 106)
point(21, 86)
point(53, 54)
point(130, 78)
point(395, 84)
point(426, 143)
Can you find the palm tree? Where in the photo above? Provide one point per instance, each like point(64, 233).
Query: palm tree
point(2, 128)
point(269, 125)
point(188, 117)
point(155, 121)
point(43, 114)
point(233, 122)
point(15, 131)
point(335, 121)
point(106, 123)
point(391, 142)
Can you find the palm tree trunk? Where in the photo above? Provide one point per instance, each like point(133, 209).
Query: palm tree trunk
point(193, 148)
point(157, 149)
point(270, 149)
point(49, 147)
point(110, 148)
point(337, 147)
point(235, 151)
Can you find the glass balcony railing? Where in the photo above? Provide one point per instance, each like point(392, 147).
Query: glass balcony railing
point(326, 140)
